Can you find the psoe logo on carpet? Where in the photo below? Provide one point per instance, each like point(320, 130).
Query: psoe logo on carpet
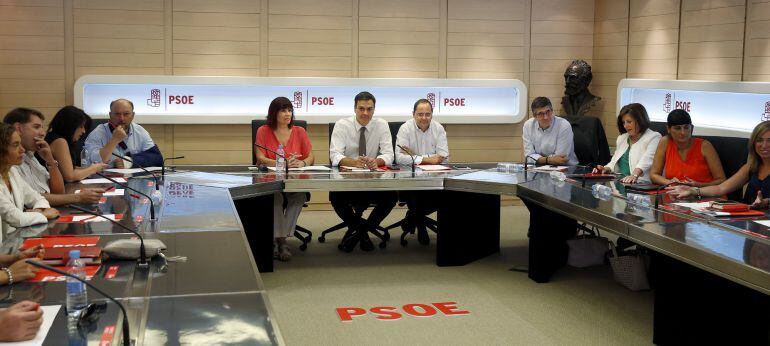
point(391, 313)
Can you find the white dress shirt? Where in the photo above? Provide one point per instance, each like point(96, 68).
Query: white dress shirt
point(12, 205)
point(421, 143)
point(641, 154)
point(138, 140)
point(344, 141)
point(34, 173)
point(557, 139)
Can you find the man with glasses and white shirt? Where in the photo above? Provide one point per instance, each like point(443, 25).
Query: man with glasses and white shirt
point(548, 139)
point(361, 141)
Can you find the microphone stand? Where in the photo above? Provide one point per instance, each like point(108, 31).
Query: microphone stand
point(142, 255)
point(152, 204)
point(657, 193)
point(163, 166)
point(411, 155)
point(526, 164)
point(154, 177)
point(126, 335)
point(286, 166)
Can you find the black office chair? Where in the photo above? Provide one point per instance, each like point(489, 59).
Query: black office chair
point(733, 153)
point(590, 140)
point(301, 233)
point(384, 236)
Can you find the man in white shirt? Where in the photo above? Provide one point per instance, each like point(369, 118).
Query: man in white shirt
point(49, 183)
point(365, 142)
point(421, 140)
point(548, 139)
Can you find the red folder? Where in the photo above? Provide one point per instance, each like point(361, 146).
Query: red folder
point(60, 242)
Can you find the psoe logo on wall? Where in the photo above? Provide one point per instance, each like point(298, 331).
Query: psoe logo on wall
point(154, 100)
point(766, 114)
point(297, 99)
point(668, 102)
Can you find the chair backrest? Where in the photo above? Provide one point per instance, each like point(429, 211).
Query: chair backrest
point(256, 124)
point(394, 126)
point(590, 141)
point(733, 153)
point(659, 127)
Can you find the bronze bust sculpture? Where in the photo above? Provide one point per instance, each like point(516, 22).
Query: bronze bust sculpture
point(577, 99)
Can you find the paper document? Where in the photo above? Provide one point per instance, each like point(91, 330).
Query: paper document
point(131, 170)
point(306, 168)
point(102, 181)
point(549, 168)
point(113, 192)
point(49, 314)
point(765, 223)
point(694, 205)
point(433, 167)
point(355, 169)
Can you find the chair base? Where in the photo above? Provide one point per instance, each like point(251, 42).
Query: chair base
point(304, 235)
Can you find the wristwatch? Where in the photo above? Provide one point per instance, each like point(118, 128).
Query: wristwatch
point(53, 163)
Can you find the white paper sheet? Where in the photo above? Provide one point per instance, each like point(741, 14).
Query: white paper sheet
point(131, 170)
point(91, 218)
point(102, 181)
point(306, 168)
point(355, 169)
point(549, 168)
point(49, 314)
point(694, 205)
point(433, 167)
point(765, 223)
point(114, 192)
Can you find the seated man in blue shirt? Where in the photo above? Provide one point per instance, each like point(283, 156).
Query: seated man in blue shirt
point(548, 139)
point(121, 136)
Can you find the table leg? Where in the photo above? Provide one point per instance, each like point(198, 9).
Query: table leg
point(256, 215)
point(548, 234)
point(695, 307)
point(468, 227)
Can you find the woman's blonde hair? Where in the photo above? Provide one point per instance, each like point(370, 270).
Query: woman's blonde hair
point(754, 160)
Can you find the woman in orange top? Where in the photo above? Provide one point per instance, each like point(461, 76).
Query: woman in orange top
point(298, 151)
point(681, 158)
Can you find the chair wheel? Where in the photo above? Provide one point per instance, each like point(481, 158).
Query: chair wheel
point(321, 239)
point(383, 245)
point(386, 236)
point(404, 242)
point(303, 247)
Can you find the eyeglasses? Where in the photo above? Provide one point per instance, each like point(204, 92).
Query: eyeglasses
point(543, 113)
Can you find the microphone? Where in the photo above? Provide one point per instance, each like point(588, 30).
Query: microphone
point(408, 152)
point(152, 204)
point(276, 155)
point(142, 255)
point(163, 166)
point(586, 170)
point(126, 335)
point(154, 177)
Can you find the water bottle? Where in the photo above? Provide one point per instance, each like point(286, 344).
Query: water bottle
point(280, 161)
point(558, 175)
point(84, 157)
point(639, 200)
point(602, 192)
point(76, 290)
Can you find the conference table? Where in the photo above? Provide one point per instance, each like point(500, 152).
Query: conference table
point(220, 219)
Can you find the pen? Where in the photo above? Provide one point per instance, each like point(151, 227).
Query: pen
point(110, 188)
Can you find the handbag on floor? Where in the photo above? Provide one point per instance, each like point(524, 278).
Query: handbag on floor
point(587, 249)
point(630, 268)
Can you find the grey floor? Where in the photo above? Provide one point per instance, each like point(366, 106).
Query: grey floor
point(579, 306)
